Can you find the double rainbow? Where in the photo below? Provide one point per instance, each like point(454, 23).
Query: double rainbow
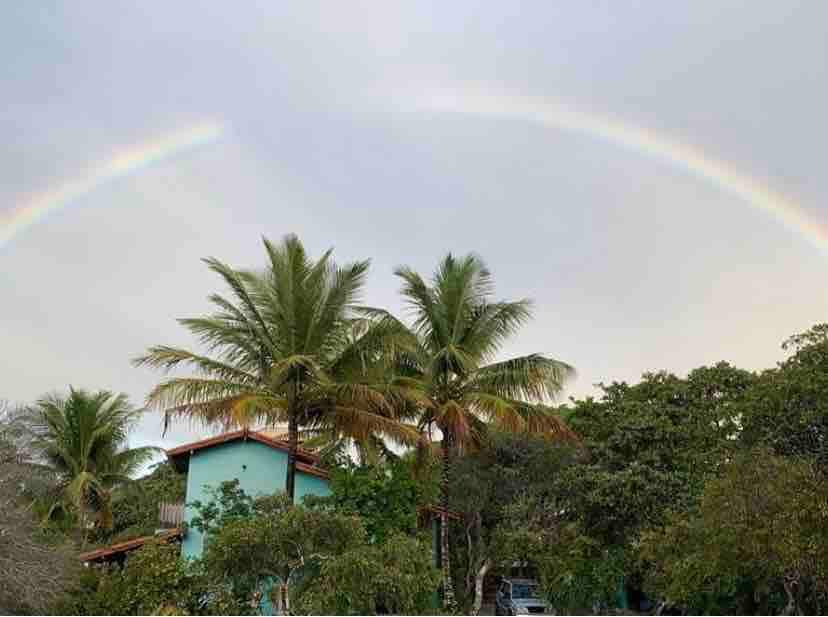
point(123, 163)
point(543, 112)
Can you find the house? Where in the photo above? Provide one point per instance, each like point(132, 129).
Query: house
point(256, 459)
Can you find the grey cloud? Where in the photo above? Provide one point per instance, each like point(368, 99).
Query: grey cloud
point(633, 265)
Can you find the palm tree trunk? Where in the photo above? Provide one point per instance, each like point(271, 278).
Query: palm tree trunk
point(84, 531)
point(293, 445)
point(445, 564)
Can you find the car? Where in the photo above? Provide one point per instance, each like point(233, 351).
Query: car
point(519, 596)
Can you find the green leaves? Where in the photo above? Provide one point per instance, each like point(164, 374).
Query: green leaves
point(395, 577)
point(289, 344)
point(83, 437)
point(764, 522)
point(384, 496)
point(459, 330)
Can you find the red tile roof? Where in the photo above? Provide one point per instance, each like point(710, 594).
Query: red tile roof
point(306, 461)
point(122, 547)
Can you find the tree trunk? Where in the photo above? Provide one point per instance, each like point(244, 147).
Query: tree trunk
point(478, 586)
point(791, 608)
point(445, 565)
point(84, 530)
point(293, 444)
point(285, 600)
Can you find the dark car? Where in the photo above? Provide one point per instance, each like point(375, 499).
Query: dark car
point(519, 596)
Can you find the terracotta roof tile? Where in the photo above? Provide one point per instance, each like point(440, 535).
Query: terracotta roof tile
point(306, 460)
point(129, 545)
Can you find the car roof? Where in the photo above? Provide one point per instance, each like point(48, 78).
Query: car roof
point(520, 581)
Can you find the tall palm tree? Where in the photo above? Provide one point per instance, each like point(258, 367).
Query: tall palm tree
point(290, 347)
point(450, 360)
point(83, 439)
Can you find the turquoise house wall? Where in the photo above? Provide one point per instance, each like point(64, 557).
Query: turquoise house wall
point(260, 470)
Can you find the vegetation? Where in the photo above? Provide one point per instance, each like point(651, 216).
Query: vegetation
point(403, 581)
point(449, 360)
point(267, 551)
point(756, 542)
point(135, 505)
point(488, 486)
point(83, 439)
point(703, 493)
point(290, 347)
point(385, 496)
point(35, 569)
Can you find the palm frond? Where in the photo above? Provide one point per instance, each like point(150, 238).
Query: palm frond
point(168, 358)
point(529, 378)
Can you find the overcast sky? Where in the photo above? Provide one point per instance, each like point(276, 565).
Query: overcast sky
point(634, 264)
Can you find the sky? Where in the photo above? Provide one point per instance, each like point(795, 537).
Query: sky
point(651, 174)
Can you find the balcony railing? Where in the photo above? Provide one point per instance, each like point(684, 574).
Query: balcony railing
point(171, 514)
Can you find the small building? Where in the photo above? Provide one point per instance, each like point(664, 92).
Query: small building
point(254, 458)
point(257, 459)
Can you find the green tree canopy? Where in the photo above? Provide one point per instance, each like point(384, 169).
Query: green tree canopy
point(756, 544)
point(288, 346)
point(449, 358)
point(83, 438)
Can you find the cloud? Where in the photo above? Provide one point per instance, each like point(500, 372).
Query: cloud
point(633, 266)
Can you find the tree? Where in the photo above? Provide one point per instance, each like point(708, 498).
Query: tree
point(135, 505)
point(153, 581)
point(289, 347)
point(403, 581)
point(756, 543)
point(576, 572)
point(83, 438)
point(384, 496)
point(280, 542)
point(449, 360)
point(34, 571)
point(788, 408)
point(487, 485)
point(652, 445)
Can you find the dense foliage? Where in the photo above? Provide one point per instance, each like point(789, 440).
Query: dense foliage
point(266, 551)
point(705, 493)
point(83, 439)
point(135, 505)
point(35, 567)
point(756, 542)
point(288, 345)
point(393, 577)
point(154, 580)
point(448, 362)
point(487, 484)
point(385, 496)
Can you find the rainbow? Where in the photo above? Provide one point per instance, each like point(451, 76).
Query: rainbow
point(124, 163)
point(559, 116)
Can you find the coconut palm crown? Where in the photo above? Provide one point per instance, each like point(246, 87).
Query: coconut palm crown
point(451, 360)
point(83, 439)
point(287, 346)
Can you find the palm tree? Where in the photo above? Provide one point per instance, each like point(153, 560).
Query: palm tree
point(290, 347)
point(83, 439)
point(450, 360)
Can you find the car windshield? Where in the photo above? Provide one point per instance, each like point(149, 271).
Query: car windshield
point(523, 591)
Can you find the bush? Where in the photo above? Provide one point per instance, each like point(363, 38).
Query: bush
point(757, 542)
point(395, 577)
point(154, 580)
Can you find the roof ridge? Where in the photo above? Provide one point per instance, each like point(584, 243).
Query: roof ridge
point(302, 456)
